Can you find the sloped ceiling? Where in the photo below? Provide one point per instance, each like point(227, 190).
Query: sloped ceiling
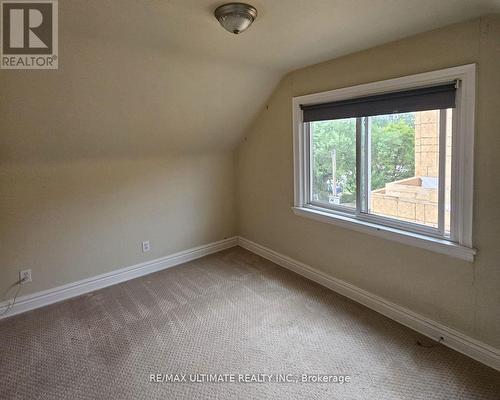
point(146, 78)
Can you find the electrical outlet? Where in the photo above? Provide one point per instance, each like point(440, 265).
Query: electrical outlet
point(25, 276)
point(146, 246)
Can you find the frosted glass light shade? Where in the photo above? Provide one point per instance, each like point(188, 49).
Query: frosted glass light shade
point(235, 17)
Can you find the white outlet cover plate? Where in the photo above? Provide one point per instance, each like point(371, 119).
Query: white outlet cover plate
point(26, 274)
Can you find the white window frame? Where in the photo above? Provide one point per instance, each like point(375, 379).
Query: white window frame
point(460, 242)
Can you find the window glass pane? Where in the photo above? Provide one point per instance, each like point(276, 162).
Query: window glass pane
point(405, 166)
point(447, 185)
point(333, 162)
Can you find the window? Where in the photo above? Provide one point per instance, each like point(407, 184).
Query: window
point(393, 158)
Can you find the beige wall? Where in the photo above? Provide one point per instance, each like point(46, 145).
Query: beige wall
point(106, 151)
point(73, 220)
point(461, 295)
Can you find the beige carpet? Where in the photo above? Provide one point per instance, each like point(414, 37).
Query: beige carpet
point(229, 313)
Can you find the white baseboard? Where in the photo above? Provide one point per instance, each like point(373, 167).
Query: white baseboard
point(46, 297)
point(450, 337)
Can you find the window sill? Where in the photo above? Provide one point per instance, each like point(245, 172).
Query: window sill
point(413, 239)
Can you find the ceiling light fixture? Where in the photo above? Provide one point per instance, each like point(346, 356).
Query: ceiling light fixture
point(235, 17)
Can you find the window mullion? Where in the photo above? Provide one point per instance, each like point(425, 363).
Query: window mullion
point(363, 164)
point(359, 177)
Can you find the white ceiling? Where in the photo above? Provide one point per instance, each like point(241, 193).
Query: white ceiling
point(148, 77)
point(287, 34)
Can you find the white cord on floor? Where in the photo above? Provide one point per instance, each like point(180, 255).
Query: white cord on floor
point(9, 307)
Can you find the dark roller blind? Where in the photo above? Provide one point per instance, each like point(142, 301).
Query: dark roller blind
point(428, 98)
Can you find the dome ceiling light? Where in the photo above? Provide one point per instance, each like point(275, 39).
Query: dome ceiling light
point(235, 17)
